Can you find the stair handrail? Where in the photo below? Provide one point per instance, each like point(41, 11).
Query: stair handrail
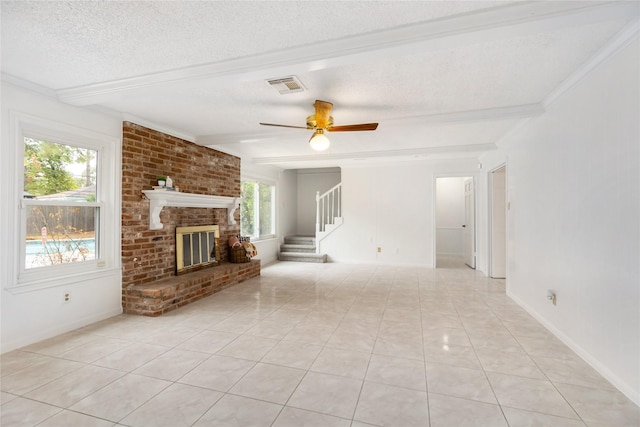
point(328, 207)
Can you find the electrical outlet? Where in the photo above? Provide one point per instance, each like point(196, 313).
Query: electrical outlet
point(67, 297)
point(379, 249)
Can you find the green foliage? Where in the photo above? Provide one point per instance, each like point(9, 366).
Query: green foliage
point(262, 207)
point(247, 209)
point(266, 205)
point(45, 167)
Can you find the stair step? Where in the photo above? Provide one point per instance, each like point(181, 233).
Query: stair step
point(300, 240)
point(302, 257)
point(297, 248)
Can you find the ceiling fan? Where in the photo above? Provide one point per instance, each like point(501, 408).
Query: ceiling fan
point(322, 121)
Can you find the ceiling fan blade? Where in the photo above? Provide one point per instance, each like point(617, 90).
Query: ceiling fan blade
point(285, 126)
point(323, 112)
point(353, 128)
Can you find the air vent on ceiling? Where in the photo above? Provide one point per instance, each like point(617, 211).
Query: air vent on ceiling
point(286, 85)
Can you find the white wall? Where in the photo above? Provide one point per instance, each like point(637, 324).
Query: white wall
point(392, 207)
point(288, 203)
point(450, 216)
point(573, 179)
point(28, 317)
point(309, 182)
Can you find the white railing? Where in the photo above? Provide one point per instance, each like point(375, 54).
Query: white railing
point(328, 207)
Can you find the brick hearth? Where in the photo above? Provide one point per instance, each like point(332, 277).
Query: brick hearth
point(161, 296)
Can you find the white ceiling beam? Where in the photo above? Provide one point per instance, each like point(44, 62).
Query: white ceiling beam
point(497, 23)
point(470, 116)
point(411, 152)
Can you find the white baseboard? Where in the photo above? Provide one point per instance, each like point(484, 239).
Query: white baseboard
point(624, 388)
point(58, 330)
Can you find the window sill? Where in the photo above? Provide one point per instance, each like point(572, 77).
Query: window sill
point(264, 239)
point(36, 284)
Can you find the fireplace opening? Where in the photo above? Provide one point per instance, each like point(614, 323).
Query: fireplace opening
point(196, 247)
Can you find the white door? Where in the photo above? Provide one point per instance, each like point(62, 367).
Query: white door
point(469, 224)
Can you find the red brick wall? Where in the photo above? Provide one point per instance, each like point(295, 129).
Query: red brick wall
point(149, 255)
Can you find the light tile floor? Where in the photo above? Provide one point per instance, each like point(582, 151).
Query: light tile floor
point(317, 345)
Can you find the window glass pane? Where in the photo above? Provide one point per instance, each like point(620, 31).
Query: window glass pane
point(60, 235)
point(55, 171)
point(186, 250)
point(247, 210)
point(266, 209)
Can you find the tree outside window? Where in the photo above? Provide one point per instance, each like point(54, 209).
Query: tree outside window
point(60, 203)
point(257, 211)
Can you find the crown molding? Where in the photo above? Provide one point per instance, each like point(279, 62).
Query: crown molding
point(490, 24)
point(622, 39)
point(470, 116)
point(26, 84)
point(126, 117)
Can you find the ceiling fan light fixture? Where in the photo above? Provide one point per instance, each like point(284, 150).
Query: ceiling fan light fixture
point(318, 141)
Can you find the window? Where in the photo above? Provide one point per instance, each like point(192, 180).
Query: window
point(257, 211)
point(65, 224)
point(61, 212)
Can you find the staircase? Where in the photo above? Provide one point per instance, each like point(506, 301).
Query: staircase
point(328, 218)
point(300, 249)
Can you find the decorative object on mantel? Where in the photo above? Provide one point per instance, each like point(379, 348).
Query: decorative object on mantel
point(165, 184)
point(160, 199)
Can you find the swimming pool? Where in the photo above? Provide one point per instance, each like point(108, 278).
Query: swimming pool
point(58, 251)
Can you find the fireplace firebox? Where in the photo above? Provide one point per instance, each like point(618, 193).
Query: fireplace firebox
point(196, 247)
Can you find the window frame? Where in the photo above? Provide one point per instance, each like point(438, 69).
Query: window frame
point(107, 202)
point(256, 194)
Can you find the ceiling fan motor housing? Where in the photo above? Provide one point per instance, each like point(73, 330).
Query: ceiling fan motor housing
point(313, 124)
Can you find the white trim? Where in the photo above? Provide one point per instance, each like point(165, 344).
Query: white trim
point(58, 330)
point(471, 116)
point(427, 151)
point(30, 86)
point(619, 41)
point(126, 117)
point(434, 213)
point(108, 200)
point(160, 199)
point(64, 280)
point(625, 388)
point(490, 197)
point(514, 19)
point(274, 207)
point(220, 141)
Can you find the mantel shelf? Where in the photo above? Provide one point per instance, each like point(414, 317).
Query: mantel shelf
point(159, 199)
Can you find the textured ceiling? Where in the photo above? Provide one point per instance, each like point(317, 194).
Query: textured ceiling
point(443, 79)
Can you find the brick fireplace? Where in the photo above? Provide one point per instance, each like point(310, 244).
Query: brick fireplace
point(149, 282)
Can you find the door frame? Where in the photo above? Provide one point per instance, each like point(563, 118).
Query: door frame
point(434, 230)
point(490, 195)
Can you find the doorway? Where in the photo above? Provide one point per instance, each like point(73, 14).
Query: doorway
point(498, 223)
point(455, 222)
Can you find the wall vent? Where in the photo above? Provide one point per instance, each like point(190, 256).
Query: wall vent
point(286, 85)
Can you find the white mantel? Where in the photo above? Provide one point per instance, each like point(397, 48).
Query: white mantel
point(158, 199)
